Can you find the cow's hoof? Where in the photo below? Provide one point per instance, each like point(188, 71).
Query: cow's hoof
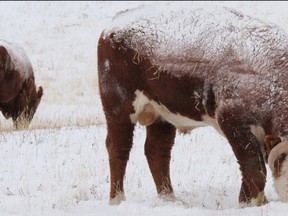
point(117, 199)
point(259, 201)
point(167, 197)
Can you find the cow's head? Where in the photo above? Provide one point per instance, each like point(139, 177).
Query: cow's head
point(26, 105)
point(278, 163)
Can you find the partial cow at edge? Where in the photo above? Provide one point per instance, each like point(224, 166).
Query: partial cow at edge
point(175, 68)
point(19, 97)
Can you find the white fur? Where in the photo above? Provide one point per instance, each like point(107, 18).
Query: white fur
point(281, 183)
point(259, 133)
point(140, 101)
point(107, 65)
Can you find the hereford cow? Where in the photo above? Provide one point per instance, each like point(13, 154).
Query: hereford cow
point(19, 97)
point(179, 68)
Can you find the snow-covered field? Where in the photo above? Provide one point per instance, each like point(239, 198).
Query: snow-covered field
point(60, 166)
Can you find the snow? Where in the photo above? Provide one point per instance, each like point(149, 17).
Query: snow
point(60, 165)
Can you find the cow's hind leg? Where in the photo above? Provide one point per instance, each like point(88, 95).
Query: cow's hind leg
point(249, 155)
point(118, 142)
point(158, 145)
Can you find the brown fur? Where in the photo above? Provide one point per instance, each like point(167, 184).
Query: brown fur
point(216, 87)
point(270, 142)
point(19, 97)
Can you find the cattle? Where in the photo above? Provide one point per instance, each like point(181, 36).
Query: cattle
point(19, 97)
point(178, 68)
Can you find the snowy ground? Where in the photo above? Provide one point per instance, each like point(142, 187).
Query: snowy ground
point(60, 167)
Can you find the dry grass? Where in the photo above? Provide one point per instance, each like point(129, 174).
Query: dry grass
point(62, 115)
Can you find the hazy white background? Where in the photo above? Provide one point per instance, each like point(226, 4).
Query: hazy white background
point(60, 166)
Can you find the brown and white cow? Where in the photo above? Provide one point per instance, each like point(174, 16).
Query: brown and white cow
point(179, 68)
point(19, 97)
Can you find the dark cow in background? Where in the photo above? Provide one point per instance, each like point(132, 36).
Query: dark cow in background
point(174, 68)
point(19, 97)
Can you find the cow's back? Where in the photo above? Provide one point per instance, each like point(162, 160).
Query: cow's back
point(215, 44)
point(19, 59)
point(177, 38)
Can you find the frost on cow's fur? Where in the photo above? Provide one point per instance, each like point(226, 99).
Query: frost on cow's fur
point(186, 33)
point(19, 59)
point(223, 38)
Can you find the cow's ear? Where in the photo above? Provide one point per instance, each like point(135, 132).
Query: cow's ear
point(271, 141)
point(40, 92)
point(5, 59)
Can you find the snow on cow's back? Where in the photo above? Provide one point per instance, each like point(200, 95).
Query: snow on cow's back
point(19, 58)
point(170, 35)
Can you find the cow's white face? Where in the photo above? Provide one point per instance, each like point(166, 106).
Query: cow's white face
point(281, 182)
point(278, 163)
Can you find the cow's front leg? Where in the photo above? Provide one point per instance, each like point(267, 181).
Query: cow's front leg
point(249, 155)
point(253, 181)
point(118, 142)
point(158, 145)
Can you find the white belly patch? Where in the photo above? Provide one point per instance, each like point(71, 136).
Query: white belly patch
point(162, 112)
